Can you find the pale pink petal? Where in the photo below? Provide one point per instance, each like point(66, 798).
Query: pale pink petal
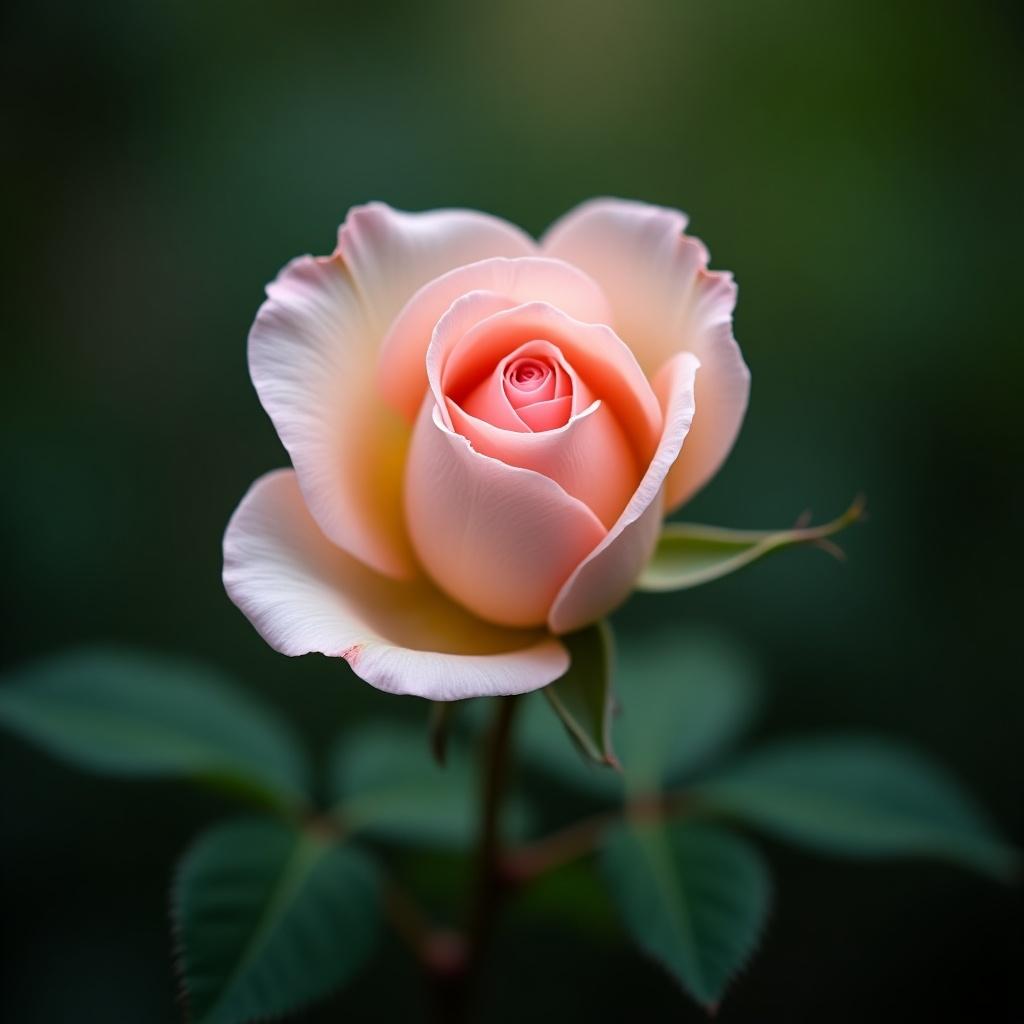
point(721, 399)
point(392, 253)
point(605, 578)
point(664, 301)
point(305, 595)
point(312, 358)
point(401, 375)
point(498, 539)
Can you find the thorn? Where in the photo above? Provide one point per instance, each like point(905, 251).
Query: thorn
point(830, 548)
point(712, 1009)
point(858, 507)
point(803, 520)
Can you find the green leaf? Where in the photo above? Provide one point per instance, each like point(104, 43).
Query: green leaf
point(693, 897)
point(685, 696)
point(582, 698)
point(688, 554)
point(130, 714)
point(384, 782)
point(269, 918)
point(859, 796)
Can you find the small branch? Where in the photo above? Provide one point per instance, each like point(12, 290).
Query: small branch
point(582, 837)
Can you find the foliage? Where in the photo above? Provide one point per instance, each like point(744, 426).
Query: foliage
point(276, 911)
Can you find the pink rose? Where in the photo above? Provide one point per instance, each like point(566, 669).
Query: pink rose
point(486, 433)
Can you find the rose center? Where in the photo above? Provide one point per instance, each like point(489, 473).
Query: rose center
point(528, 374)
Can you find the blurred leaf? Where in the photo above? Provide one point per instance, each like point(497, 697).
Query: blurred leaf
point(131, 714)
point(384, 781)
point(582, 698)
point(693, 897)
point(688, 554)
point(685, 697)
point(860, 797)
point(269, 918)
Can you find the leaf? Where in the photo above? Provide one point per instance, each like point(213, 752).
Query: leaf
point(688, 554)
point(686, 696)
point(859, 796)
point(541, 743)
point(384, 782)
point(693, 897)
point(582, 698)
point(269, 918)
point(123, 713)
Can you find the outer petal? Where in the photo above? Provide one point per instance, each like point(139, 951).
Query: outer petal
point(665, 301)
point(401, 375)
point(312, 353)
point(303, 595)
point(499, 539)
point(392, 253)
point(605, 578)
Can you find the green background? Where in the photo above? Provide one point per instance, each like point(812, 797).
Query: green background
point(857, 166)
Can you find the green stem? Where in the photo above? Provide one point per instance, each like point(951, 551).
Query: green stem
point(457, 991)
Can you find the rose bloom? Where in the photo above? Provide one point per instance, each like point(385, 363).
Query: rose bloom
point(486, 433)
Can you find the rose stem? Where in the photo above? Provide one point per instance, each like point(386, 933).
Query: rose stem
point(456, 990)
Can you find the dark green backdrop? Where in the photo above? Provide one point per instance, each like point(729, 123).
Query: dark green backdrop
point(857, 165)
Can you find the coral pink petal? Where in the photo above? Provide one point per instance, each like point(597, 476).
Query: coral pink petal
point(597, 356)
point(499, 539)
point(489, 401)
point(401, 375)
point(664, 301)
point(605, 578)
point(305, 595)
point(549, 415)
point(527, 380)
point(566, 455)
point(312, 354)
point(495, 400)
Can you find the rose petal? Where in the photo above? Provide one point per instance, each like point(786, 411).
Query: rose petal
point(401, 375)
point(392, 253)
point(477, 332)
point(495, 402)
point(549, 415)
point(499, 539)
point(312, 357)
point(605, 578)
point(589, 457)
point(305, 595)
point(664, 301)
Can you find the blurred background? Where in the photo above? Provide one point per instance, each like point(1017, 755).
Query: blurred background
point(857, 166)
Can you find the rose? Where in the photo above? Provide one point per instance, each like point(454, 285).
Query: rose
point(486, 433)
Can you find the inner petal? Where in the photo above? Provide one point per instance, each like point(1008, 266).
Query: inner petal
point(530, 389)
point(528, 380)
